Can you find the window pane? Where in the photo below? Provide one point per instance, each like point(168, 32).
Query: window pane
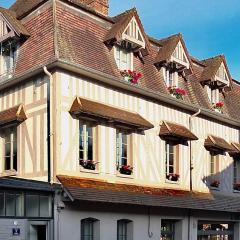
point(2, 212)
point(19, 205)
point(45, 206)
point(10, 204)
point(7, 165)
point(32, 203)
point(90, 149)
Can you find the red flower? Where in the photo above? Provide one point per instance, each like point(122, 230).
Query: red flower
point(219, 104)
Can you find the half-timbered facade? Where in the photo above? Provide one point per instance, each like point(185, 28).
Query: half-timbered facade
point(134, 137)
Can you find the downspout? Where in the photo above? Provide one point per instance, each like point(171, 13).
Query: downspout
point(48, 122)
point(191, 169)
point(190, 152)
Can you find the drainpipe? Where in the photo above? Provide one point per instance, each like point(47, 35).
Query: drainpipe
point(190, 154)
point(48, 122)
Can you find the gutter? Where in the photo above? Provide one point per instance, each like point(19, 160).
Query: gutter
point(121, 84)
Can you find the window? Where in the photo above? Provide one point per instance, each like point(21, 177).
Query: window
point(215, 231)
point(167, 230)
point(38, 205)
point(124, 229)
point(10, 148)
point(213, 94)
point(171, 78)
point(172, 165)
point(90, 229)
point(236, 173)
point(11, 204)
point(123, 152)
point(8, 58)
point(214, 164)
point(87, 142)
point(123, 58)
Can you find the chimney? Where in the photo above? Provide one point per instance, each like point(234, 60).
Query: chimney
point(100, 6)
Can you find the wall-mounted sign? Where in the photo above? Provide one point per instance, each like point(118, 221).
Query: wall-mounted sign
point(16, 231)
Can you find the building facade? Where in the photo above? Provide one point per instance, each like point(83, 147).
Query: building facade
point(108, 133)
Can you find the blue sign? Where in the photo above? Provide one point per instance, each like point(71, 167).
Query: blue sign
point(16, 231)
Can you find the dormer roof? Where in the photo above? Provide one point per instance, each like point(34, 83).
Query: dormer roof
point(14, 25)
point(115, 34)
point(168, 46)
point(212, 66)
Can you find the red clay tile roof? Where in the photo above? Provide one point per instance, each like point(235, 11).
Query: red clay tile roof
point(13, 115)
point(169, 129)
point(93, 190)
point(213, 142)
point(16, 24)
point(83, 106)
point(212, 66)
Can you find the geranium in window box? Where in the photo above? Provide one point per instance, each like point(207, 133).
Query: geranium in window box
point(177, 92)
point(126, 169)
point(236, 186)
point(218, 107)
point(215, 183)
point(88, 164)
point(131, 76)
point(173, 177)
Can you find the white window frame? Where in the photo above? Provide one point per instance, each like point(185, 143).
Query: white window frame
point(119, 55)
point(12, 133)
point(94, 226)
point(119, 146)
point(213, 94)
point(85, 136)
point(171, 79)
point(236, 170)
point(213, 163)
point(167, 158)
point(127, 229)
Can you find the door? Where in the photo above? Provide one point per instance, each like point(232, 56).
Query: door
point(38, 231)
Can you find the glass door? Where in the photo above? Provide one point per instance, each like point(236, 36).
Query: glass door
point(38, 231)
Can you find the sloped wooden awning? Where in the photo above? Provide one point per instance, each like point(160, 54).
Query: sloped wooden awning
point(176, 131)
point(99, 111)
point(236, 147)
point(218, 144)
point(13, 115)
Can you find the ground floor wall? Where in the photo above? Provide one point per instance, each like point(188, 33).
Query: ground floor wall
point(26, 229)
point(147, 223)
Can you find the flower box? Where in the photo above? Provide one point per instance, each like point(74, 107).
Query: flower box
point(215, 184)
point(131, 76)
point(177, 92)
point(126, 169)
point(88, 164)
point(218, 107)
point(173, 177)
point(236, 186)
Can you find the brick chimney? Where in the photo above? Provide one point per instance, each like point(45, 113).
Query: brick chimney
point(100, 6)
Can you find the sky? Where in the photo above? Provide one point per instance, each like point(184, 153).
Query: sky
point(209, 27)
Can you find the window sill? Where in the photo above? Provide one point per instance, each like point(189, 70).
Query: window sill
point(172, 182)
point(89, 171)
point(214, 188)
point(124, 175)
point(236, 191)
point(8, 173)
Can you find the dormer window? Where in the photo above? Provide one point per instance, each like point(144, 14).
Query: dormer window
point(213, 95)
point(123, 58)
point(171, 78)
point(7, 58)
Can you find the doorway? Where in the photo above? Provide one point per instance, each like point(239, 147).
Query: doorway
point(38, 231)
